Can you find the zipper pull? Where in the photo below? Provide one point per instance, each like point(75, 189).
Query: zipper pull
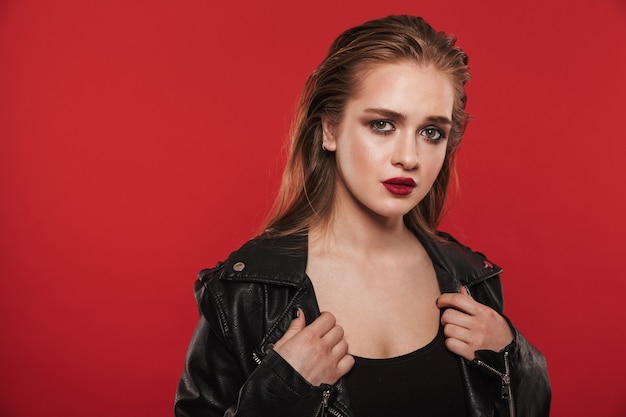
point(507, 391)
point(506, 379)
point(506, 387)
point(261, 353)
point(325, 401)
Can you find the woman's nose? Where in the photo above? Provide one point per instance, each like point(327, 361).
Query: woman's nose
point(405, 153)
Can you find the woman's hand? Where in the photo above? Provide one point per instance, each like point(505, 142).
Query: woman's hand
point(470, 326)
point(318, 351)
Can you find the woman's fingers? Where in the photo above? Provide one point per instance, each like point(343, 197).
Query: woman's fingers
point(334, 335)
point(456, 317)
point(323, 323)
point(457, 332)
point(345, 364)
point(470, 326)
point(295, 327)
point(458, 301)
point(319, 351)
point(460, 348)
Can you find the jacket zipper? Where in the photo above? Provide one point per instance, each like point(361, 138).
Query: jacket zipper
point(325, 400)
point(325, 409)
point(507, 393)
point(260, 354)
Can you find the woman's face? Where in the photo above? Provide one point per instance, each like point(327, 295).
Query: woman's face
point(391, 141)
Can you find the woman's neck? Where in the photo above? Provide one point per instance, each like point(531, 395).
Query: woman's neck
point(368, 234)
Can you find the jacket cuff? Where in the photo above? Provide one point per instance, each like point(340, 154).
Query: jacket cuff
point(496, 360)
point(275, 388)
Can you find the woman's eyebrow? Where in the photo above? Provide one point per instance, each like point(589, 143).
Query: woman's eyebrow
point(392, 114)
point(440, 120)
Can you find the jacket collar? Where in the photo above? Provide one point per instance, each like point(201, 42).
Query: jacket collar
point(456, 264)
point(282, 261)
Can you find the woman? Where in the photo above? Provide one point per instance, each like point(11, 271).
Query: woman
point(411, 320)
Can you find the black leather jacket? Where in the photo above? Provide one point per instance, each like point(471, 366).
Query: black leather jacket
point(246, 304)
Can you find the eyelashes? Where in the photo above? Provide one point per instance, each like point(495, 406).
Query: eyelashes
point(383, 127)
point(431, 133)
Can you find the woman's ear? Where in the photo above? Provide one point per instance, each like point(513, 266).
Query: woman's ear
point(329, 143)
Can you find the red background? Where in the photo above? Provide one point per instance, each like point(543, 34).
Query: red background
point(140, 141)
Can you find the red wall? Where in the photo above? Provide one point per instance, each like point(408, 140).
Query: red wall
point(140, 141)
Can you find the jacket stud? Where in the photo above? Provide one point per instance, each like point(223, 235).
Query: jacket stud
point(239, 266)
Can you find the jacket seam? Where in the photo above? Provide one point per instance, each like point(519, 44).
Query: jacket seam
point(220, 308)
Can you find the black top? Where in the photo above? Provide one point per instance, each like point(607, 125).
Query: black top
point(426, 382)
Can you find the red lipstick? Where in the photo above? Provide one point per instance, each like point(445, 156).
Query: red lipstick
point(399, 185)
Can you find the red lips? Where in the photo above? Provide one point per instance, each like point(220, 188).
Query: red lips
point(399, 185)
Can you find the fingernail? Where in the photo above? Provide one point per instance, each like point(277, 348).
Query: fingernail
point(437, 302)
point(295, 313)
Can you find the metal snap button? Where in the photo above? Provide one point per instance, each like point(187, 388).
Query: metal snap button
point(239, 266)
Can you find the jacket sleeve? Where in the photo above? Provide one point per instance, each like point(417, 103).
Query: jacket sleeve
point(529, 379)
point(519, 371)
point(214, 383)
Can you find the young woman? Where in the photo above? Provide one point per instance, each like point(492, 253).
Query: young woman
point(350, 303)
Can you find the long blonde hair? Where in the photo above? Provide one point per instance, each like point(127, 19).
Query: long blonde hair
point(306, 193)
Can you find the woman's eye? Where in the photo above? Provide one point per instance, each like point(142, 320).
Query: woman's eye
point(382, 126)
point(433, 134)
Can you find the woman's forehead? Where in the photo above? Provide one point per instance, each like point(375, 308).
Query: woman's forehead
point(404, 87)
